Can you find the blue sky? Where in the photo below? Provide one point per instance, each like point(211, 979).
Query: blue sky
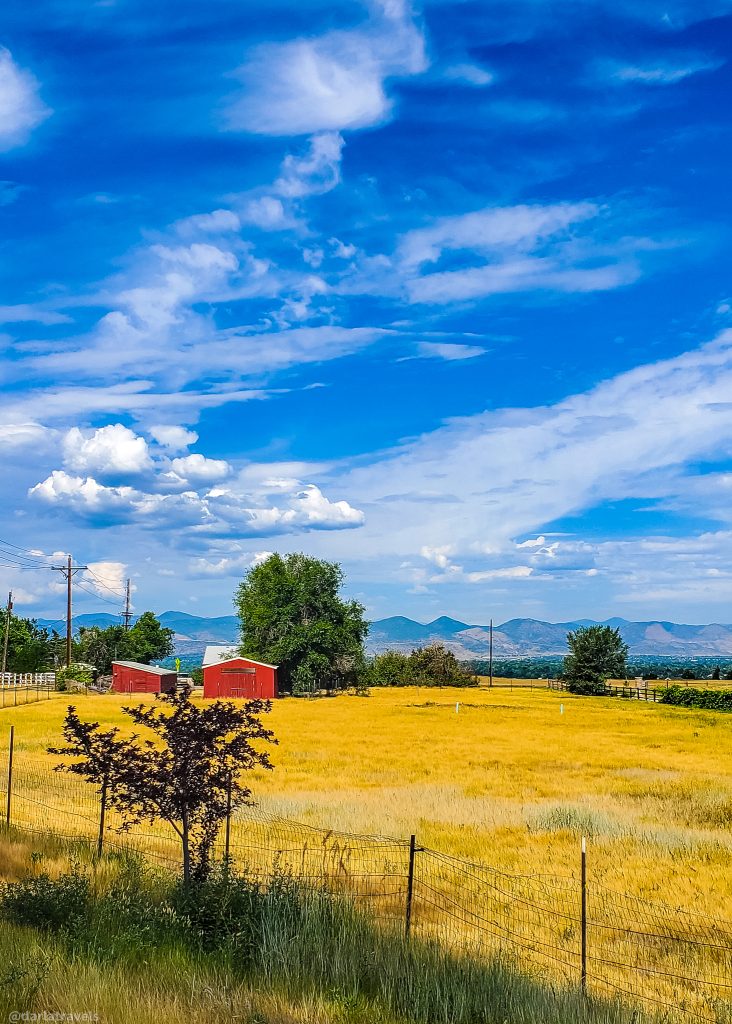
point(437, 291)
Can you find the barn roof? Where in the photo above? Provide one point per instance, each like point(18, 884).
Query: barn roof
point(242, 657)
point(215, 653)
point(151, 669)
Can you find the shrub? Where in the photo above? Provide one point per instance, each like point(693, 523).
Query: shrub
point(690, 697)
point(46, 903)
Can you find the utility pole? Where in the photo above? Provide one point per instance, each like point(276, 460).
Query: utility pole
point(7, 630)
point(68, 571)
point(490, 656)
point(127, 614)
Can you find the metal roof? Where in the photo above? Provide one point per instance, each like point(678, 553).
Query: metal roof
point(215, 653)
point(152, 669)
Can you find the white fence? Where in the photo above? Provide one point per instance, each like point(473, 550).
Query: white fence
point(27, 680)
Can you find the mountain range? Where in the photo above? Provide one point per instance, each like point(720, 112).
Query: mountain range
point(516, 638)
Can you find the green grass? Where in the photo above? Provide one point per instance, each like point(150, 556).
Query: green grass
point(130, 944)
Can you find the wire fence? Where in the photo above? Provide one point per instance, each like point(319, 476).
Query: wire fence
point(26, 688)
point(568, 931)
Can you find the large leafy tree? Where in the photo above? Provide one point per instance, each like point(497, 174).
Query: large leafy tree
point(189, 776)
point(292, 615)
point(596, 654)
point(31, 648)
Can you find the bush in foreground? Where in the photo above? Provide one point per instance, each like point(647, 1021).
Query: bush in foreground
point(278, 937)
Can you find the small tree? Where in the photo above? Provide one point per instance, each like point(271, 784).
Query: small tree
point(597, 653)
point(186, 778)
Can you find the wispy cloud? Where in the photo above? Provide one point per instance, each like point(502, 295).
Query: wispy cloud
point(331, 82)
point(21, 108)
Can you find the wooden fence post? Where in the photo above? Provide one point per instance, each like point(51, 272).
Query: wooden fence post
point(10, 773)
point(410, 885)
point(102, 814)
point(584, 917)
point(227, 834)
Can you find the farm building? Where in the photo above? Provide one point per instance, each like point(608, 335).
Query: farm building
point(240, 677)
point(133, 677)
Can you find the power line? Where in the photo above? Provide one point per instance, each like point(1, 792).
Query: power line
point(68, 571)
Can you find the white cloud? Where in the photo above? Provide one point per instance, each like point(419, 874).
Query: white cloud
point(468, 74)
point(215, 223)
point(315, 172)
point(660, 73)
point(199, 469)
point(23, 435)
point(25, 313)
point(21, 108)
point(110, 451)
point(227, 565)
point(173, 437)
point(518, 470)
point(516, 249)
point(108, 579)
point(449, 351)
point(328, 83)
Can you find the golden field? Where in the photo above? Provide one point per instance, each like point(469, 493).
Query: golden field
point(511, 777)
point(508, 779)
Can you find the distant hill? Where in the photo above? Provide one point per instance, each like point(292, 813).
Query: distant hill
point(515, 638)
point(522, 638)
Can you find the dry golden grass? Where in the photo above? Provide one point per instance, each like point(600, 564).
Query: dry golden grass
point(508, 779)
point(511, 777)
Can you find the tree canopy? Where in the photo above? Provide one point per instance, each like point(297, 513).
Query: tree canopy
point(145, 641)
point(31, 648)
point(597, 653)
point(190, 777)
point(433, 665)
point(292, 615)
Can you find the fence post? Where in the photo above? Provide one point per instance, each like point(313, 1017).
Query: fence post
point(584, 916)
point(227, 834)
point(410, 884)
point(10, 773)
point(102, 813)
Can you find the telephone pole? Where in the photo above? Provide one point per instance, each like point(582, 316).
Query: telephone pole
point(68, 571)
point(7, 630)
point(127, 614)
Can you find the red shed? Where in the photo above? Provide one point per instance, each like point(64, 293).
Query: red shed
point(240, 677)
point(133, 677)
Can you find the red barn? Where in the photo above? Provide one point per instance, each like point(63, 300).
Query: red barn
point(133, 677)
point(240, 677)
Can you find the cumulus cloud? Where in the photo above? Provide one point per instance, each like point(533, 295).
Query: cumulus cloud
point(110, 451)
point(198, 469)
point(173, 437)
point(21, 108)
point(328, 83)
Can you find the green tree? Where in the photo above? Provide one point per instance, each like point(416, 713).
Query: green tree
point(392, 668)
point(292, 615)
point(597, 653)
point(717, 672)
point(435, 665)
point(31, 648)
point(146, 641)
point(186, 778)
